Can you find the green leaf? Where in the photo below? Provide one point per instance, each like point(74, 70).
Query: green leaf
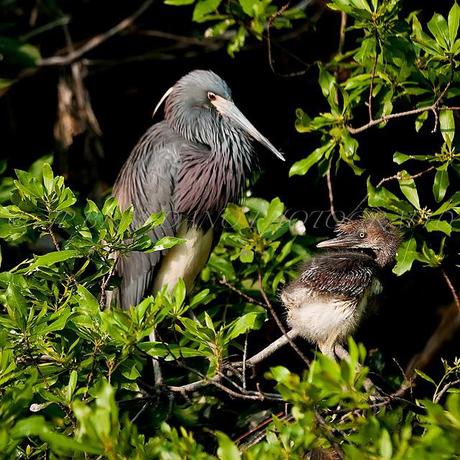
point(408, 188)
point(386, 448)
point(125, 221)
point(425, 376)
point(179, 2)
point(241, 325)
point(180, 292)
point(227, 449)
point(71, 385)
point(441, 182)
point(438, 27)
point(326, 81)
point(300, 168)
point(443, 226)
point(407, 254)
point(400, 158)
point(237, 41)
point(275, 210)
point(17, 53)
point(419, 121)
point(222, 265)
point(383, 198)
point(247, 6)
point(203, 8)
point(247, 256)
point(453, 21)
point(166, 242)
point(447, 124)
point(54, 257)
point(235, 216)
point(48, 178)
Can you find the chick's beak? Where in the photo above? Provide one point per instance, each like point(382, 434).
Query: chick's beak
point(342, 241)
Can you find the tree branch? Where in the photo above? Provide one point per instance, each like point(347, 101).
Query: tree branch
point(97, 40)
point(272, 348)
point(432, 107)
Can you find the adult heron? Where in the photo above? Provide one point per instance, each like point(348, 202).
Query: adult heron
point(190, 165)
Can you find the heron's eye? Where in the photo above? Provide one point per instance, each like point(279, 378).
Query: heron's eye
point(361, 234)
point(211, 96)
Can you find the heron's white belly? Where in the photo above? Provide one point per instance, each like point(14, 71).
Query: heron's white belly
point(319, 319)
point(185, 260)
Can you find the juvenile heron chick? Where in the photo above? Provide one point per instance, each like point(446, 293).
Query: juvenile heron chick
point(325, 304)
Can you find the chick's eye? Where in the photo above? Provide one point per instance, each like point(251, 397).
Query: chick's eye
point(211, 96)
point(362, 234)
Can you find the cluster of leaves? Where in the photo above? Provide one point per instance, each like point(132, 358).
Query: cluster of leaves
point(59, 345)
point(73, 374)
point(395, 65)
point(257, 240)
point(236, 20)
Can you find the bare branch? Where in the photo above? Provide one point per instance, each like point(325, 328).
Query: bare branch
point(272, 348)
point(444, 389)
point(97, 40)
point(371, 85)
point(343, 26)
point(432, 107)
point(241, 293)
point(399, 177)
point(452, 289)
point(330, 191)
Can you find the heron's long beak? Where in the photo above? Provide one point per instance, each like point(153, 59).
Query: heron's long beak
point(342, 241)
point(228, 109)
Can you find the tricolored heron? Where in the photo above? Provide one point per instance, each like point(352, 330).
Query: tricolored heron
point(190, 165)
point(326, 302)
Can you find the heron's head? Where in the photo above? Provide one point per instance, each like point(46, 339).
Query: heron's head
point(200, 107)
point(373, 233)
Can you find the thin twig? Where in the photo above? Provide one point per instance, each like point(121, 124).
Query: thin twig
point(343, 27)
point(371, 85)
point(444, 389)
point(257, 428)
point(452, 289)
point(279, 323)
point(398, 176)
point(97, 40)
point(53, 238)
point(245, 355)
point(434, 106)
point(330, 191)
point(105, 282)
point(271, 61)
point(241, 293)
point(140, 412)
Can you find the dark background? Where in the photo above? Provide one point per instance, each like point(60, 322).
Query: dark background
point(129, 73)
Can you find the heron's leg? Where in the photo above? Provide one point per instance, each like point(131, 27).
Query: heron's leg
point(157, 377)
point(327, 349)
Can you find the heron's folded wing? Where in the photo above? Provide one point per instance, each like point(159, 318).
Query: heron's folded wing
point(147, 182)
point(345, 275)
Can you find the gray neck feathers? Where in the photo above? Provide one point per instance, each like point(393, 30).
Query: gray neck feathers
point(214, 166)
